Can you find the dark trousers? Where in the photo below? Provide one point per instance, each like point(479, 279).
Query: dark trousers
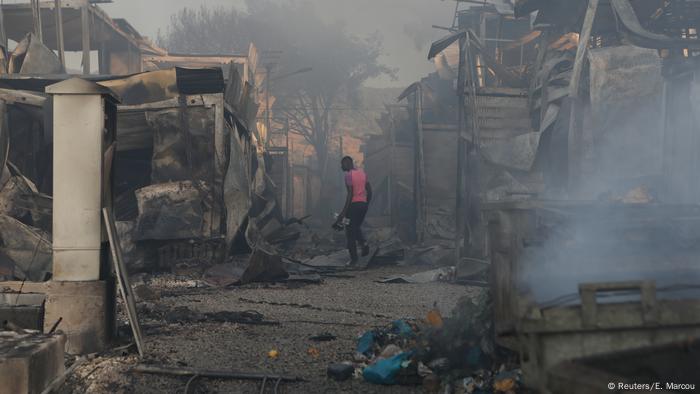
point(353, 232)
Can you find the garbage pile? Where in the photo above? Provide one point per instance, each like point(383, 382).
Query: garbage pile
point(455, 354)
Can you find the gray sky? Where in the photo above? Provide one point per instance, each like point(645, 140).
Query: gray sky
point(404, 24)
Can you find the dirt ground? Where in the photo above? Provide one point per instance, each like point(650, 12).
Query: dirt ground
point(344, 307)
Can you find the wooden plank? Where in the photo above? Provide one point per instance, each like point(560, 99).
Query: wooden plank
point(123, 278)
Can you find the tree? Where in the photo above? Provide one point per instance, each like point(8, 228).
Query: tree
point(341, 62)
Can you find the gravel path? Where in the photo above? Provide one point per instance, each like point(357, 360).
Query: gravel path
point(344, 307)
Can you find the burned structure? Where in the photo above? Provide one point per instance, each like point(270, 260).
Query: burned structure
point(604, 95)
point(554, 147)
point(571, 130)
point(179, 162)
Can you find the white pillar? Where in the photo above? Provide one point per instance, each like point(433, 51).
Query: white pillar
point(78, 134)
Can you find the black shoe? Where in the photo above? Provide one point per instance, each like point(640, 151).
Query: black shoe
point(365, 250)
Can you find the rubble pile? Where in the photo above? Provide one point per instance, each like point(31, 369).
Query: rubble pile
point(457, 354)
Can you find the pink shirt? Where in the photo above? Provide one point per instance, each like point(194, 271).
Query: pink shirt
point(357, 179)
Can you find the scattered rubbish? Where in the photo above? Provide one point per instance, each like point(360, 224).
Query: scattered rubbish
point(313, 352)
point(359, 358)
point(258, 268)
point(439, 365)
point(273, 354)
point(402, 328)
point(339, 259)
point(433, 351)
point(366, 343)
point(431, 383)
point(264, 267)
point(446, 274)
point(391, 249)
point(384, 371)
point(340, 372)
point(390, 351)
point(145, 293)
point(434, 317)
point(506, 381)
point(324, 337)
point(423, 370)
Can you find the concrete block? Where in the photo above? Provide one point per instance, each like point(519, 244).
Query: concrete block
point(24, 310)
point(30, 362)
point(88, 312)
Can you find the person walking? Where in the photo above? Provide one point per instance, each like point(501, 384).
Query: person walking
point(359, 195)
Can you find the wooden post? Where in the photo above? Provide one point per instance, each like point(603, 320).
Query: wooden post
point(289, 175)
point(459, 208)
point(575, 121)
point(59, 33)
point(85, 31)
point(36, 16)
point(419, 186)
point(390, 180)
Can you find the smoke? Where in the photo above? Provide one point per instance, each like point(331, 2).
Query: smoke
point(362, 18)
point(629, 230)
point(420, 33)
